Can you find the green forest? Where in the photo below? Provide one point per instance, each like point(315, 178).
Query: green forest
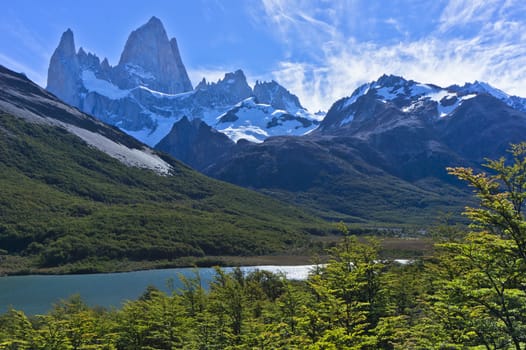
point(67, 208)
point(469, 295)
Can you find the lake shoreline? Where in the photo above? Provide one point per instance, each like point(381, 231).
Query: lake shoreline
point(17, 266)
point(391, 248)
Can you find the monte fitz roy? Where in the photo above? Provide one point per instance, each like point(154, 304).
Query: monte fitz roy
point(149, 90)
point(388, 143)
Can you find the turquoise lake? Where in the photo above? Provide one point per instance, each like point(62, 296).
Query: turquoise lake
point(35, 294)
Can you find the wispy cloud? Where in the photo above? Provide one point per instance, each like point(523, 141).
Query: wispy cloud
point(25, 37)
point(463, 12)
point(297, 25)
point(15, 65)
point(471, 40)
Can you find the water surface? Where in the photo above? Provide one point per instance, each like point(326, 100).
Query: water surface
point(35, 294)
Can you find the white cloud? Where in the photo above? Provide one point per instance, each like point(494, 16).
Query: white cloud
point(462, 12)
point(430, 61)
point(300, 23)
point(19, 67)
point(493, 50)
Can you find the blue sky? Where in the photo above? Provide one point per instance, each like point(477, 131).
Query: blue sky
point(320, 50)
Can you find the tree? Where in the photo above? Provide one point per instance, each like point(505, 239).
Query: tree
point(347, 294)
point(483, 290)
point(502, 196)
point(16, 331)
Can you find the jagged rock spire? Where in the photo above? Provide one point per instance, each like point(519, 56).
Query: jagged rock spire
point(64, 71)
point(151, 59)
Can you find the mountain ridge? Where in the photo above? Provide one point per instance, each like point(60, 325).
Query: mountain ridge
point(385, 148)
point(149, 90)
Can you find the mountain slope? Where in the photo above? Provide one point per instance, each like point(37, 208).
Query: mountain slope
point(340, 178)
point(195, 143)
point(381, 154)
point(65, 201)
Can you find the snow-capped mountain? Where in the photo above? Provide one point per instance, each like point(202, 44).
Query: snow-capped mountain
point(386, 146)
point(149, 90)
point(411, 98)
point(255, 121)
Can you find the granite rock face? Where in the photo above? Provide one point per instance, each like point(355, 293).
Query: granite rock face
point(64, 71)
point(150, 59)
point(195, 143)
point(276, 95)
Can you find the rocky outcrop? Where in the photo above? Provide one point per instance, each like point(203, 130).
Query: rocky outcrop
point(195, 143)
point(150, 59)
point(277, 96)
point(230, 90)
point(64, 71)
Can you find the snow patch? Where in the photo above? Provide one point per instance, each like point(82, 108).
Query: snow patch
point(152, 137)
point(139, 71)
point(481, 87)
point(162, 94)
point(348, 119)
point(468, 97)
point(437, 96)
point(102, 87)
point(387, 93)
point(250, 133)
point(420, 89)
point(444, 111)
point(255, 122)
point(141, 158)
point(362, 90)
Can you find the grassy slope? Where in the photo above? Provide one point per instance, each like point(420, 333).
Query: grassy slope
point(64, 202)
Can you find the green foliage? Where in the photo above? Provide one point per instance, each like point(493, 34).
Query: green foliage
point(488, 268)
point(66, 203)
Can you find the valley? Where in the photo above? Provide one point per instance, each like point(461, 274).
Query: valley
point(376, 158)
point(66, 202)
point(280, 175)
point(376, 161)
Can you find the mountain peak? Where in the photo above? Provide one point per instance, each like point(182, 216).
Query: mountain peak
point(153, 22)
point(150, 59)
point(148, 36)
point(391, 80)
point(485, 88)
point(277, 96)
point(64, 70)
point(203, 84)
point(66, 45)
point(238, 75)
point(235, 85)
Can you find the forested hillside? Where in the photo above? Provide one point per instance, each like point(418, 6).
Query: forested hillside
point(80, 193)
